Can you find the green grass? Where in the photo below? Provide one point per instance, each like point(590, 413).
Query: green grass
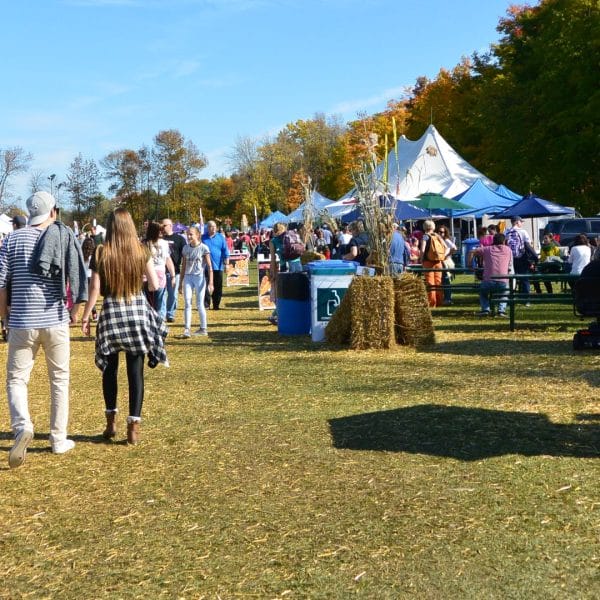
point(272, 467)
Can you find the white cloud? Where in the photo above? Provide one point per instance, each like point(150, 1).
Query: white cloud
point(176, 68)
point(185, 68)
point(104, 89)
point(351, 107)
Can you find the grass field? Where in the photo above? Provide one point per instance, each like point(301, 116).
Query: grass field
point(272, 467)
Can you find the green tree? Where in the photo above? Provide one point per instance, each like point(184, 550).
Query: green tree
point(540, 98)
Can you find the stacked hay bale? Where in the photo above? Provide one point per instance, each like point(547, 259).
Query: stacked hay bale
point(377, 312)
point(365, 317)
point(414, 325)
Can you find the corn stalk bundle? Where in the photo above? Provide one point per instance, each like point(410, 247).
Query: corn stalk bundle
point(378, 221)
point(308, 213)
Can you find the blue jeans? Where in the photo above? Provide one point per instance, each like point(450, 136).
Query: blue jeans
point(396, 268)
point(486, 289)
point(172, 293)
point(160, 301)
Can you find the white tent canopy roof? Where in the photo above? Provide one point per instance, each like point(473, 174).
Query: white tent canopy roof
point(428, 164)
point(319, 203)
point(5, 224)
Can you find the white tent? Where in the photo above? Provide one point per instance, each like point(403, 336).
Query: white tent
point(319, 203)
point(428, 164)
point(5, 224)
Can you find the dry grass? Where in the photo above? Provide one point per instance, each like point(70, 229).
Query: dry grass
point(273, 467)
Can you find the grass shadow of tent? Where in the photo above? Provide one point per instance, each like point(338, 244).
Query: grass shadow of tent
point(463, 433)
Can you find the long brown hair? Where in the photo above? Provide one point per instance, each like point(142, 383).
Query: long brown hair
point(122, 258)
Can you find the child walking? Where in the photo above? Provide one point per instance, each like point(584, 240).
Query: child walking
point(195, 256)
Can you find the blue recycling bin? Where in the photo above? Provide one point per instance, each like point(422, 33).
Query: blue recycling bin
point(468, 245)
point(329, 281)
point(293, 304)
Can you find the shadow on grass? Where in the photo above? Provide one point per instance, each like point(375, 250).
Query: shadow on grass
point(464, 433)
point(502, 346)
point(501, 326)
point(261, 341)
point(86, 439)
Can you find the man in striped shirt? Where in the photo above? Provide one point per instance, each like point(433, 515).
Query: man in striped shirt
point(38, 317)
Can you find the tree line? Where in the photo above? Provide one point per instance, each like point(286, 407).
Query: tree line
point(525, 113)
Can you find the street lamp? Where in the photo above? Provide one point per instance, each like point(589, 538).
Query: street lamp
point(61, 184)
point(52, 178)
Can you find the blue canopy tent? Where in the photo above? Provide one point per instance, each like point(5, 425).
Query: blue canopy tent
point(531, 207)
point(482, 199)
point(502, 190)
point(274, 217)
point(403, 211)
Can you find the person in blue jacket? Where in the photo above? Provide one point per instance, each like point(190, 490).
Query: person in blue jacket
point(219, 256)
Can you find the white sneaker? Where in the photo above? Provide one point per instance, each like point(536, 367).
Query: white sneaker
point(16, 455)
point(185, 335)
point(200, 331)
point(62, 447)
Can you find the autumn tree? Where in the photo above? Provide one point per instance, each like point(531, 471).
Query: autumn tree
point(177, 161)
point(316, 140)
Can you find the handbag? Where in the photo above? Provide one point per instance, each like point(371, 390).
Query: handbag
point(449, 263)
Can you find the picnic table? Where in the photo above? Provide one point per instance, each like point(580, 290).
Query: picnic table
point(453, 286)
point(513, 296)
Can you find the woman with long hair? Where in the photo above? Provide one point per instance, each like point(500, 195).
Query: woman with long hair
point(127, 322)
point(161, 257)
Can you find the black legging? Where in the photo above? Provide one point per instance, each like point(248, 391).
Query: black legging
point(217, 291)
point(135, 377)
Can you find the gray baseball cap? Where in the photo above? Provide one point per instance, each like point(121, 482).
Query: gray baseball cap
point(39, 206)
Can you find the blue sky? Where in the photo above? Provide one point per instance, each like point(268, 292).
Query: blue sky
point(93, 76)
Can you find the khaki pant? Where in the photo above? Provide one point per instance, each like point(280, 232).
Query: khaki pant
point(23, 345)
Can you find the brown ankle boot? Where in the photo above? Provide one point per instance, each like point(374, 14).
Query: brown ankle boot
point(111, 426)
point(133, 432)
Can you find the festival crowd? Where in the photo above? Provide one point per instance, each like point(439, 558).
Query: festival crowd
point(48, 272)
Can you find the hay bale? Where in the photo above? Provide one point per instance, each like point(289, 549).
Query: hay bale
point(414, 325)
point(338, 329)
point(365, 317)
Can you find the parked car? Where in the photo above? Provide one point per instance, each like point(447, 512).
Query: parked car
point(565, 230)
